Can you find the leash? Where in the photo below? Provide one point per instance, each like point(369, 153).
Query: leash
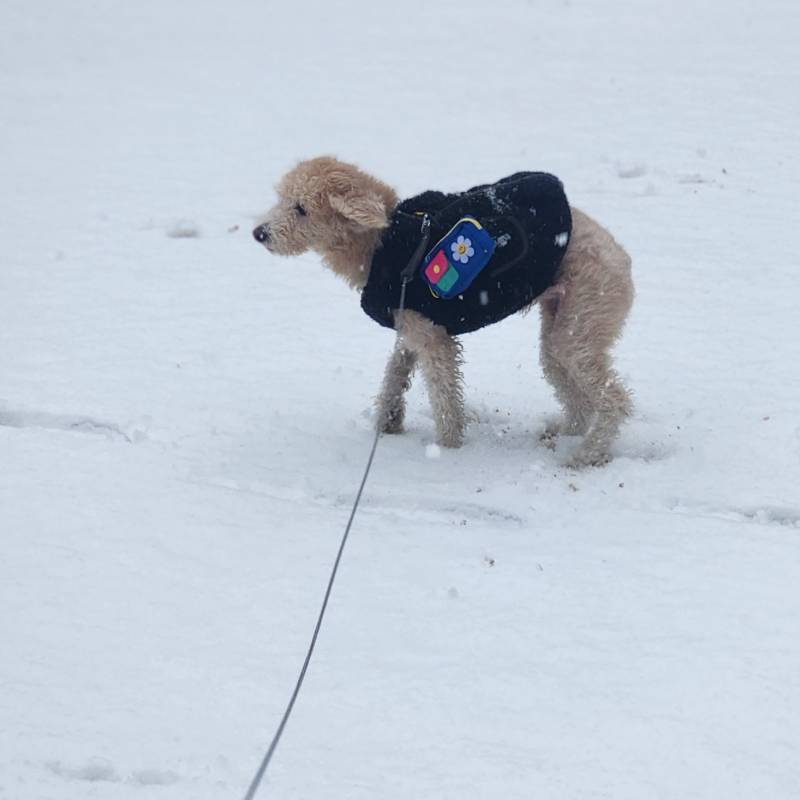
point(407, 274)
point(251, 792)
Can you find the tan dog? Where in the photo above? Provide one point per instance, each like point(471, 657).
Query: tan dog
point(340, 212)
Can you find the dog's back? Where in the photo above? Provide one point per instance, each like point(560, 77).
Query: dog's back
point(527, 215)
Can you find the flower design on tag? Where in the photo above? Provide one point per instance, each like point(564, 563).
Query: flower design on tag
point(462, 249)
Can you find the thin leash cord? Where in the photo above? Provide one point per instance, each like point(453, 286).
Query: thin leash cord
point(256, 782)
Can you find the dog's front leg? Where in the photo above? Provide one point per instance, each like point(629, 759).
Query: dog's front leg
point(440, 358)
point(391, 403)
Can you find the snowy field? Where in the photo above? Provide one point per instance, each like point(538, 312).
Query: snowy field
point(184, 419)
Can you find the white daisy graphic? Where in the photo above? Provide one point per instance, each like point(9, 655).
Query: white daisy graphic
point(462, 249)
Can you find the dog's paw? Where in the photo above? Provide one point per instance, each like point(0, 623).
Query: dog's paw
point(391, 426)
point(391, 420)
point(588, 458)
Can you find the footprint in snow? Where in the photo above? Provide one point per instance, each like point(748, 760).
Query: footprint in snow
point(628, 171)
point(761, 515)
point(97, 770)
point(183, 230)
point(94, 770)
point(75, 423)
point(153, 777)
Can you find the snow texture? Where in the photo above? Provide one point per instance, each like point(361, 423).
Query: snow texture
point(184, 419)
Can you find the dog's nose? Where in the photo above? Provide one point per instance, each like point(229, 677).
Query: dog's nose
point(261, 233)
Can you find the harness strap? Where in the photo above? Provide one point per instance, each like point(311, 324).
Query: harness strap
point(523, 237)
point(425, 235)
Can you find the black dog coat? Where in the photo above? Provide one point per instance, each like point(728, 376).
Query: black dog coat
point(527, 215)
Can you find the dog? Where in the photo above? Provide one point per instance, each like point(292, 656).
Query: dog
point(584, 292)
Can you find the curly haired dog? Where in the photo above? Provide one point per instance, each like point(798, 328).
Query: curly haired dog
point(349, 217)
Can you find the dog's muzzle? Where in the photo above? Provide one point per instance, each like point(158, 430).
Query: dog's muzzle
point(261, 234)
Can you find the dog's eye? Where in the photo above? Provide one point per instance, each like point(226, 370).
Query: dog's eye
point(300, 210)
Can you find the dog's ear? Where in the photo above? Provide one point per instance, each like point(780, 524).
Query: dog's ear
point(366, 210)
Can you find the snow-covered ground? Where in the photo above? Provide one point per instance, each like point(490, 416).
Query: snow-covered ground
point(184, 419)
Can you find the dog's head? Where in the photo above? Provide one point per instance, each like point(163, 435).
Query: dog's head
point(324, 205)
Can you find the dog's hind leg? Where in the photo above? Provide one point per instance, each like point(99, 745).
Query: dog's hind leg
point(596, 293)
point(391, 403)
point(612, 403)
point(440, 359)
point(578, 412)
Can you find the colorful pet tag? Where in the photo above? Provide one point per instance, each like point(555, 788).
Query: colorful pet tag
point(455, 261)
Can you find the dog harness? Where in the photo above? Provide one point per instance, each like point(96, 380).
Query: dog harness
point(496, 248)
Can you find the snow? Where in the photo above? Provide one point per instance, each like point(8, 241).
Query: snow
point(498, 204)
point(433, 451)
point(184, 419)
point(633, 170)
